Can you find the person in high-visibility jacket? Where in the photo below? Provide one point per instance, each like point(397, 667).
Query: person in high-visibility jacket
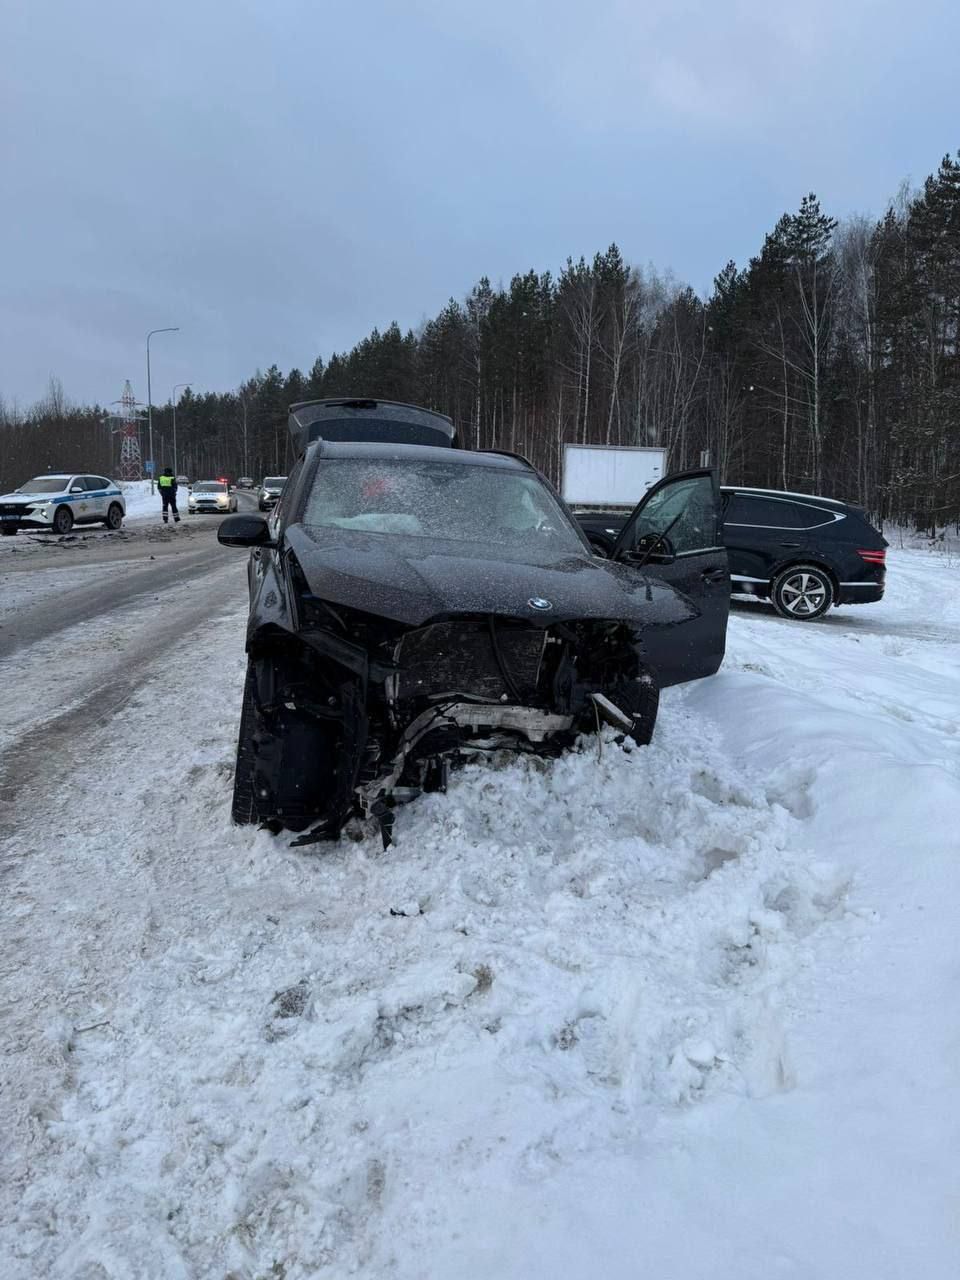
point(167, 484)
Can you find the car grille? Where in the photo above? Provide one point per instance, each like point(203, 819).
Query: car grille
point(12, 508)
point(459, 657)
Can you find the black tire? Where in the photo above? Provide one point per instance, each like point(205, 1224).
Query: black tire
point(62, 520)
point(7, 531)
point(245, 810)
point(293, 758)
point(640, 698)
point(114, 517)
point(802, 593)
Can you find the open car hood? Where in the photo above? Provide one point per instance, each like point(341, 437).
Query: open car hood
point(412, 581)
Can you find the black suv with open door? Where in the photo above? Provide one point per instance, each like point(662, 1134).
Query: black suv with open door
point(412, 606)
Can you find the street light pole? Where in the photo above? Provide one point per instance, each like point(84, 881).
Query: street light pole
point(153, 461)
point(176, 387)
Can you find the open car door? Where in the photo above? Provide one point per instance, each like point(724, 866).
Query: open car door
point(676, 535)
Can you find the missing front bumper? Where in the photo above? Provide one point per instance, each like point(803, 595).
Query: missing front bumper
point(470, 717)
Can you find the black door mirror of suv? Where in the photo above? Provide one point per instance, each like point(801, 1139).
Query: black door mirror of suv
point(245, 531)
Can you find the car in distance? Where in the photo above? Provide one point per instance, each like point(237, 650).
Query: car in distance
point(413, 606)
point(801, 552)
point(270, 492)
point(183, 482)
point(58, 502)
point(211, 497)
point(245, 482)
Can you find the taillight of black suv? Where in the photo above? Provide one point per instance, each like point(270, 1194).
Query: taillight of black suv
point(874, 557)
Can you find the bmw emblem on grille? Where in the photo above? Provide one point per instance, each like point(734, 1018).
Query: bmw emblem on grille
point(538, 602)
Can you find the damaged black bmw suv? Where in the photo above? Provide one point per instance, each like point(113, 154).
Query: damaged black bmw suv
point(412, 606)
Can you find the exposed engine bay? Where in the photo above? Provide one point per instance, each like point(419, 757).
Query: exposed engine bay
point(355, 714)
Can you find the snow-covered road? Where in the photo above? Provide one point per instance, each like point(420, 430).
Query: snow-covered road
point(689, 1011)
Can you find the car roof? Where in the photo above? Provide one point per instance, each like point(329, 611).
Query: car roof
point(419, 453)
point(781, 493)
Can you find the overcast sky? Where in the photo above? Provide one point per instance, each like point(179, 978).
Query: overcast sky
point(276, 177)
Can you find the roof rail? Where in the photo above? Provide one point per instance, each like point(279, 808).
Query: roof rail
point(783, 493)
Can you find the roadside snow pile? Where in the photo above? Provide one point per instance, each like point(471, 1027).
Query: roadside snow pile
point(683, 1011)
point(946, 542)
point(139, 500)
point(550, 958)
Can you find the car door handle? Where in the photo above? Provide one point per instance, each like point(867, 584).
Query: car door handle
point(791, 546)
point(714, 575)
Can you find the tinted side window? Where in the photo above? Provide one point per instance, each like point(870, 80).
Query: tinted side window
point(811, 517)
point(772, 513)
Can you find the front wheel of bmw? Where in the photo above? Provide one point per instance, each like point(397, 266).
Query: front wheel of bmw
point(245, 809)
point(802, 593)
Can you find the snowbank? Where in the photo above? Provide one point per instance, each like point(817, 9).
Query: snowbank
point(140, 501)
point(946, 542)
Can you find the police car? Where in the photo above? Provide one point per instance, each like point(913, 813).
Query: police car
point(211, 496)
point(58, 502)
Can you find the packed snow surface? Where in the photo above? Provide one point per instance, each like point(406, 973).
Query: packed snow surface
point(687, 1011)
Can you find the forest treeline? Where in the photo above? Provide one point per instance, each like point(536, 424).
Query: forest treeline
point(829, 363)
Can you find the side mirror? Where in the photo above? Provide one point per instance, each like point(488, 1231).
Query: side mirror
point(245, 531)
point(77, 489)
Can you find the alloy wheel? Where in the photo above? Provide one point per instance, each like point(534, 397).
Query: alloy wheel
point(803, 594)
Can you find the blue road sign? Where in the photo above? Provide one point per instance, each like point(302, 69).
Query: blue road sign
point(148, 466)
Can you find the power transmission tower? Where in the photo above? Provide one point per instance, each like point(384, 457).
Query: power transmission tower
point(128, 427)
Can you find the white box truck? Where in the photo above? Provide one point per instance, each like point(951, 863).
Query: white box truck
point(603, 483)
